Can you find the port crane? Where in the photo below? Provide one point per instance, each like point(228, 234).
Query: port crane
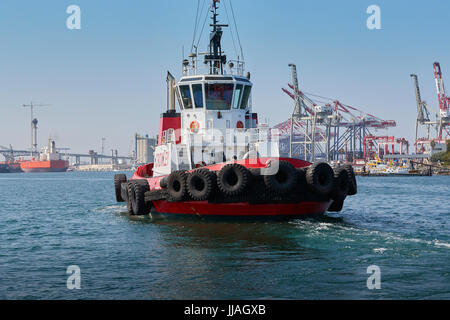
point(34, 123)
point(8, 153)
point(327, 129)
point(442, 116)
point(444, 101)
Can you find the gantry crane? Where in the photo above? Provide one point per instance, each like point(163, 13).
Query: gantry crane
point(315, 128)
point(444, 102)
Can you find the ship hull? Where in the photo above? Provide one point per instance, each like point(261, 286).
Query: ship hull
point(239, 210)
point(44, 166)
point(298, 203)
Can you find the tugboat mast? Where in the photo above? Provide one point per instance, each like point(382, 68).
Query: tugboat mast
point(215, 59)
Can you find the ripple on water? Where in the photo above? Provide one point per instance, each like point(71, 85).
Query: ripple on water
point(48, 222)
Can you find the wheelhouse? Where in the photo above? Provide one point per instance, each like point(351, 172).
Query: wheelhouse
point(214, 93)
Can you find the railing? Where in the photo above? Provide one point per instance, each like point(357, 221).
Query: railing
point(234, 67)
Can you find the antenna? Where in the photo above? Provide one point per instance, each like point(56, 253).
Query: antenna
point(34, 127)
point(215, 59)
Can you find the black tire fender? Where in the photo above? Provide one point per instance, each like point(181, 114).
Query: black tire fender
point(118, 180)
point(341, 184)
point(301, 179)
point(284, 180)
point(200, 184)
point(320, 178)
point(137, 189)
point(353, 189)
point(233, 179)
point(336, 206)
point(176, 185)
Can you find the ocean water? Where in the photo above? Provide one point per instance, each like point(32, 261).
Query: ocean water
point(49, 222)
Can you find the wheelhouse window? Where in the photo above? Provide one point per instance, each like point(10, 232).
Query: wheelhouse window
point(186, 96)
point(197, 89)
point(180, 102)
point(244, 102)
point(237, 96)
point(218, 96)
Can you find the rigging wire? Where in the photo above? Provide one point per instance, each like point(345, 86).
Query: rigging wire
point(203, 28)
point(231, 30)
point(195, 26)
point(237, 31)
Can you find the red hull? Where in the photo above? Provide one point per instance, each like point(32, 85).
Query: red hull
point(241, 209)
point(44, 166)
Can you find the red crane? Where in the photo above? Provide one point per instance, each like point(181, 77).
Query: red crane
point(444, 101)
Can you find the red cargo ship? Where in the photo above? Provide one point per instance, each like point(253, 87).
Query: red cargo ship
point(49, 161)
point(214, 159)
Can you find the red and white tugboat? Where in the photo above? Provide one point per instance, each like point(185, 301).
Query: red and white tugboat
point(214, 159)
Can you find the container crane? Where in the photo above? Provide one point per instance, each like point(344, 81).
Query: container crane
point(423, 116)
point(444, 101)
point(326, 120)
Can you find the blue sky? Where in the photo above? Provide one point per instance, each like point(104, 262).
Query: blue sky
point(108, 79)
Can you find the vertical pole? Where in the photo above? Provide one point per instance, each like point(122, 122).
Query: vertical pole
point(31, 125)
point(290, 136)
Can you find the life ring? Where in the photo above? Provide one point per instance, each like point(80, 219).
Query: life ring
point(284, 180)
point(194, 126)
point(320, 178)
point(233, 179)
point(200, 184)
point(176, 185)
point(118, 180)
point(341, 184)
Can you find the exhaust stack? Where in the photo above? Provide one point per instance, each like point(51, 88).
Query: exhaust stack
point(170, 93)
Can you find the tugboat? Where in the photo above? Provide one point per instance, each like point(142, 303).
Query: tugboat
point(214, 159)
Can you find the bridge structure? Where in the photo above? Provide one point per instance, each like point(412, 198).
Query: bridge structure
point(11, 154)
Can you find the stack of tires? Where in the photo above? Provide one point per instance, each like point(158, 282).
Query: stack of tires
point(233, 182)
point(133, 193)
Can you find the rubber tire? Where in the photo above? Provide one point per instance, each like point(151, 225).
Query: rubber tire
point(320, 178)
point(255, 172)
point(351, 176)
point(124, 191)
point(176, 185)
point(118, 180)
point(130, 188)
point(235, 172)
point(163, 182)
point(284, 180)
point(336, 206)
point(301, 179)
point(341, 184)
point(137, 190)
point(200, 184)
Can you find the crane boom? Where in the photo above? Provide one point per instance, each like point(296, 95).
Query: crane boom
point(444, 101)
